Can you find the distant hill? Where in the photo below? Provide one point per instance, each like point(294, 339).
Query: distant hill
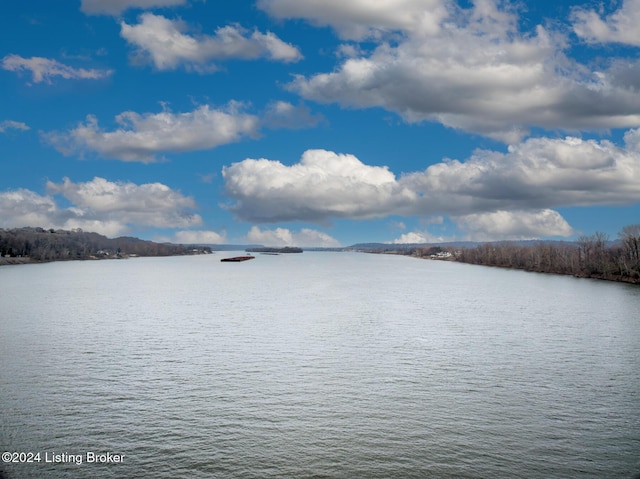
point(406, 246)
point(457, 244)
point(19, 245)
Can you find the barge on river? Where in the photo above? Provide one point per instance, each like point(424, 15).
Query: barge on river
point(237, 259)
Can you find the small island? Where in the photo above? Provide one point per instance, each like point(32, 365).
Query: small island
point(286, 249)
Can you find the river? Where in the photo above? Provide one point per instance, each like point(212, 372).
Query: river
point(315, 365)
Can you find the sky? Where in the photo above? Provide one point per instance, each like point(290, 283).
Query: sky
point(321, 122)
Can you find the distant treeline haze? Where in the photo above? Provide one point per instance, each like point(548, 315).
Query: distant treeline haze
point(593, 256)
point(38, 244)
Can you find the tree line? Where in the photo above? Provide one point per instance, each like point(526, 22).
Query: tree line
point(591, 256)
point(39, 244)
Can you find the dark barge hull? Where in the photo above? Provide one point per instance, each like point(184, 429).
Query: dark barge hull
point(236, 259)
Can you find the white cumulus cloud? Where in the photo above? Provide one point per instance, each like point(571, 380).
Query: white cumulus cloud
point(274, 237)
point(44, 69)
point(518, 188)
point(168, 45)
point(106, 207)
point(199, 237)
point(472, 69)
point(150, 204)
point(323, 185)
point(538, 173)
point(621, 26)
point(417, 237)
point(305, 237)
point(140, 137)
point(513, 225)
point(23, 207)
point(362, 19)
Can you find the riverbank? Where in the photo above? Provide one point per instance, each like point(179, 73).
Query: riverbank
point(461, 257)
point(9, 261)
point(599, 276)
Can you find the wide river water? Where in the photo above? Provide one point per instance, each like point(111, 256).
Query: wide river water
point(315, 365)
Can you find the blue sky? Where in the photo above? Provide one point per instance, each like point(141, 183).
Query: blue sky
point(321, 122)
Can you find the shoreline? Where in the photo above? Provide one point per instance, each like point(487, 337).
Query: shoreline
point(600, 277)
point(11, 261)
point(14, 261)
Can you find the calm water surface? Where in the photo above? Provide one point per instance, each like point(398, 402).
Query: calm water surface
point(317, 365)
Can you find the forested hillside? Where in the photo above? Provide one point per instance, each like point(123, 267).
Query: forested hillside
point(593, 256)
point(38, 244)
